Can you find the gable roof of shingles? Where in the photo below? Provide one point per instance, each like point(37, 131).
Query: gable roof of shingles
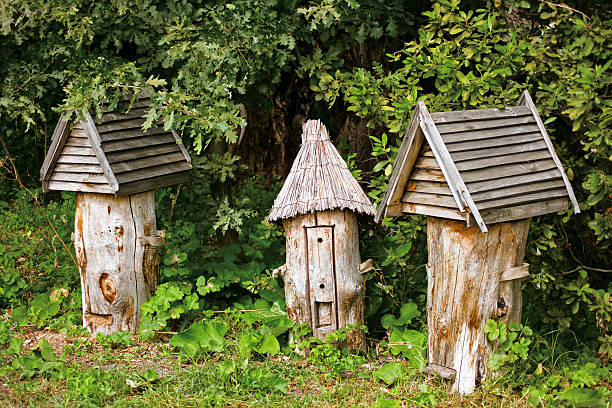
point(319, 180)
point(497, 162)
point(115, 146)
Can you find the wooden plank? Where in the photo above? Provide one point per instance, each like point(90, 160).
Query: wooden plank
point(428, 187)
point(454, 180)
point(57, 144)
point(483, 124)
point(78, 141)
point(490, 133)
point(123, 106)
point(429, 199)
point(88, 188)
point(523, 198)
point(525, 211)
point(68, 158)
point(479, 186)
point(78, 151)
point(153, 183)
point(151, 172)
point(181, 146)
point(96, 145)
point(79, 168)
point(402, 167)
point(433, 211)
point(138, 142)
point(427, 163)
point(131, 165)
point(93, 178)
point(322, 280)
point(517, 190)
point(515, 272)
point(130, 134)
point(497, 151)
point(479, 114)
point(120, 116)
point(485, 143)
point(507, 170)
point(79, 132)
point(124, 155)
point(527, 101)
point(428, 175)
point(122, 125)
point(485, 161)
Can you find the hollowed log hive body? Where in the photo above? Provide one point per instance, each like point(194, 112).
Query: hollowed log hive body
point(323, 285)
point(467, 286)
point(118, 267)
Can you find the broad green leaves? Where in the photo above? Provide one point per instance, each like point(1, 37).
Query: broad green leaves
point(390, 372)
point(203, 336)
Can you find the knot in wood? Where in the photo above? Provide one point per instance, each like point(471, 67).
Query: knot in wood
point(109, 290)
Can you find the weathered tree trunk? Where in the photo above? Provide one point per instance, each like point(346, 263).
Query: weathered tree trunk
point(467, 285)
point(116, 248)
point(323, 284)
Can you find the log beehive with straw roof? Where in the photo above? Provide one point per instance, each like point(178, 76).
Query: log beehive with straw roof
point(317, 205)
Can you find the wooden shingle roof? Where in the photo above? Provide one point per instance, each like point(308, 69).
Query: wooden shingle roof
point(482, 166)
point(113, 155)
point(319, 180)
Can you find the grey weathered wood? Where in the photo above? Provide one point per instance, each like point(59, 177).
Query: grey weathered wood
point(428, 187)
point(77, 141)
point(78, 133)
point(429, 199)
point(179, 143)
point(406, 156)
point(483, 124)
point(57, 144)
point(494, 184)
point(455, 182)
point(137, 164)
point(124, 134)
point(485, 161)
point(475, 145)
point(515, 272)
point(523, 198)
point(78, 168)
point(80, 177)
point(527, 101)
point(513, 190)
point(96, 145)
point(125, 105)
point(120, 116)
point(151, 172)
point(73, 159)
point(429, 163)
point(479, 114)
point(433, 211)
point(525, 211)
point(492, 134)
point(111, 260)
point(507, 170)
point(463, 294)
point(114, 157)
point(83, 187)
point(153, 183)
point(136, 143)
point(498, 151)
point(78, 151)
point(122, 125)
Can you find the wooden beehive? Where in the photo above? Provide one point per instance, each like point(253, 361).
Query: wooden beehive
point(114, 168)
point(467, 170)
point(317, 205)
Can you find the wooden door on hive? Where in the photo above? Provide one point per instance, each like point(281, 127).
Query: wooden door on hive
point(322, 280)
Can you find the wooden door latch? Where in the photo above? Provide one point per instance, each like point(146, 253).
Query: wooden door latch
point(156, 239)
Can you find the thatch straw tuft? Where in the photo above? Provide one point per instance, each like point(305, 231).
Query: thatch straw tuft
point(319, 180)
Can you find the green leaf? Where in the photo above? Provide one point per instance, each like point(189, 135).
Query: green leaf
point(390, 372)
point(408, 312)
point(583, 397)
point(201, 336)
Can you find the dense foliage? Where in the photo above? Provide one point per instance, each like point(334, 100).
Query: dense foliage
point(236, 80)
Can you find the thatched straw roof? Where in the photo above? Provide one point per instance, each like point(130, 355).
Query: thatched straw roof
point(319, 180)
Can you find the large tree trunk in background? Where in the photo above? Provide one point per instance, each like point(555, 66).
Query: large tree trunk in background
point(466, 288)
point(117, 256)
